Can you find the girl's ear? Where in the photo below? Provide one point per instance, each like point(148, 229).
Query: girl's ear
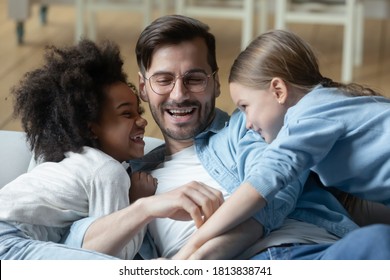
point(141, 87)
point(279, 89)
point(93, 128)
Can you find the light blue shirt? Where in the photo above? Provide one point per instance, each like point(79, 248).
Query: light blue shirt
point(344, 139)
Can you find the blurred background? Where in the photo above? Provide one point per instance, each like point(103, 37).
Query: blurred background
point(26, 27)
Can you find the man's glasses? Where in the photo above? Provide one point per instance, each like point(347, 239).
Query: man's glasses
point(163, 83)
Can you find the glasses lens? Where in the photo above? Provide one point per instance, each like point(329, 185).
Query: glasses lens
point(195, 81)
point(162, 83)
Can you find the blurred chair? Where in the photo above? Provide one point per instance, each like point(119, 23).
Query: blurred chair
point(348, 13)
point(20, 11)
point(91, 7)
point(243, 10)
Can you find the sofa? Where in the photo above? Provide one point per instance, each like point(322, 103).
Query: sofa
point(16, 157)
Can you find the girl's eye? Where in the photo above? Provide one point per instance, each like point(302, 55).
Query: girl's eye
point(242, 107)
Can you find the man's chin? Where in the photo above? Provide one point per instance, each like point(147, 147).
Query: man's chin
point(180, 133)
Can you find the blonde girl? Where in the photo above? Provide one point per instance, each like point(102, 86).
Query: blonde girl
point(341, 132)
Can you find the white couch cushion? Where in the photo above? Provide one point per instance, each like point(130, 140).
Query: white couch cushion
point(16, 157)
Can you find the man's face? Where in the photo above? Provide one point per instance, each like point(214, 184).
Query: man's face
point(181, 114)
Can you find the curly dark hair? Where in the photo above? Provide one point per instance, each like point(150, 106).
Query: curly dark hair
point(57, 102)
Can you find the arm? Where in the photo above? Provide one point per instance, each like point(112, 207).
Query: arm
point(364, 212)
point(109, 234)
point(238, 208)
point(231, 244)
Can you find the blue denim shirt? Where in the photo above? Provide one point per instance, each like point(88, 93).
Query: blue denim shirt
point(229, 152)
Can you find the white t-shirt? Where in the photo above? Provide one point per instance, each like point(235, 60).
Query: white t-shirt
point(170, 235)
point(179, 169)
point(44, 202)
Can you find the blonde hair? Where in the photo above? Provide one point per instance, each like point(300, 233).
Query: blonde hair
point(285, 55)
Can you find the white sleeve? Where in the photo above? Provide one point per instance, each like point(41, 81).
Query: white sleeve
point(110, 193)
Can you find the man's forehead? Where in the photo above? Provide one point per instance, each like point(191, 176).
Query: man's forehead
point(195, 49)
point(170, 60)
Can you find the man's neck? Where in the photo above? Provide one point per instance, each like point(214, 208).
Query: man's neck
point(217, 123)
point(173, 146)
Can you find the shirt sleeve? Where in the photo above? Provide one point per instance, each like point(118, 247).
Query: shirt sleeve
point(109, 189)
point(110, 193)
point(250, 149)
point(298, 147)
point(77, 232)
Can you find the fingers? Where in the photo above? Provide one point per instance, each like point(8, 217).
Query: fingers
point(201, 201)
point(155, 182)
point(207, 198)
point(144, 177)
point(193, 210)
point(194, 201)
point(142, 185)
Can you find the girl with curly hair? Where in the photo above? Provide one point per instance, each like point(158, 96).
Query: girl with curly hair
point(83, 122)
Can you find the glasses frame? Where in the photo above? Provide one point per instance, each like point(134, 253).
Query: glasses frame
point(208, 76)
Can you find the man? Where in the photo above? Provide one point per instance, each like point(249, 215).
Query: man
point(179, 79)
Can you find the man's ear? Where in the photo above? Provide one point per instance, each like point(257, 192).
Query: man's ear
point(141, 87)
point(279, 89)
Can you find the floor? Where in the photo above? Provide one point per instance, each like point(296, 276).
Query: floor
point(124, 28)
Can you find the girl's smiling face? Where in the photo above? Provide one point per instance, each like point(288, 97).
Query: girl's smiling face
point(120, 129)
point(264, 108)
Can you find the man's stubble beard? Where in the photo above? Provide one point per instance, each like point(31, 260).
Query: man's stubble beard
point(185, 132)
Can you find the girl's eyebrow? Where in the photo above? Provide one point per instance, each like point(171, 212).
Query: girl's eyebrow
point(124, 104)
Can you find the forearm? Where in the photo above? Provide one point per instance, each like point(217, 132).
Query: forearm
point(230, 244)
point(111, 233)
point(237, 209)
point(364, 212)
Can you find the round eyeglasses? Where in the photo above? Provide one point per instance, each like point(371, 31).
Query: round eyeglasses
point(194, 81)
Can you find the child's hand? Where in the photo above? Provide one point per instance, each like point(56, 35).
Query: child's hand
point(142, 185)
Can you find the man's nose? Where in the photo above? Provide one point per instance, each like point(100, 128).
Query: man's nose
point(179, 91)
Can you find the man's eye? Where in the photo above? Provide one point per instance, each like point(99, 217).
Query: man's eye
point(164, 81)
point(194, 81)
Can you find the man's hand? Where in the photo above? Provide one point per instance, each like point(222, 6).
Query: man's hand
point(194, 201)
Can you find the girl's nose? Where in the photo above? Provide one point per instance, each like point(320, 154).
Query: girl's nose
point(248, 125)
point(141, 122)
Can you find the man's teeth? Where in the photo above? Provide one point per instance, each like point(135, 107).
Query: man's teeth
point(180, 112)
